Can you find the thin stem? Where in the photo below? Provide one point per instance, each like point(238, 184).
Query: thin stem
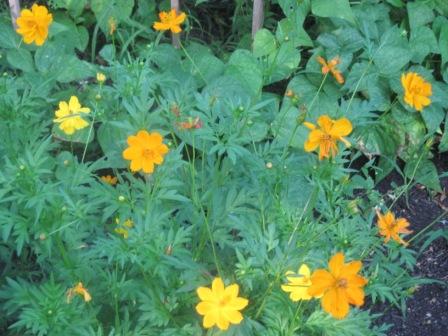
point(192, 62)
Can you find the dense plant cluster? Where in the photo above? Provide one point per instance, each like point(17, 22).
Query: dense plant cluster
point(219, 183)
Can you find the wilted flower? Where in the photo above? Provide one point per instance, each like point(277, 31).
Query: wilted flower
point(298, 284)
point(220, 305)
point(331, 67)
point(416, 90)
point(112, 180)
point(145, 150)
point(69, 116)
point(339, 287)
point(80, 290)
point(326, 136)
point(33, 24)
point(190, 123)
point(170, 21)
point(112, 25)
point(390, 227)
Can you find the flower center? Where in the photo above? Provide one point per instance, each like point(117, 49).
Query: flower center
point(148, 153)
point(341, 283)
point(224, 301)
point(326, 137)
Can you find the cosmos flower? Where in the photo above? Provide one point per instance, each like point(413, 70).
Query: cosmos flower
point(145, 150)
point(326, 136)
point(69, 116)
point(416, 90)
point(339, 287)
point(298, 284)
point(170, 21)
point(220, 305)
point(331, 67)
point(33, 24)
point(80, 290)
point(390, 227)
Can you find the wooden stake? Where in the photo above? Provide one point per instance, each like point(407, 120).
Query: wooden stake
point(14, 6)
point(175, 38)
point(257, 17)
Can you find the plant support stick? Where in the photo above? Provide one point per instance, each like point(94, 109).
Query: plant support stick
point(14, 6)
point(257, 17)
point(175, 37)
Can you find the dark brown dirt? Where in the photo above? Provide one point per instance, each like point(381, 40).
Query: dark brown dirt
point(426, 312)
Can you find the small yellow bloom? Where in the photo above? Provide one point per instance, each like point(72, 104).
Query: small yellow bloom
point(33, 24)
point(326, 136)
point(80, 290)
point(112, 180)
point(145, 150)
point(123, 229)
point(339, 287)
point(220, 305)
point(100, 77)
point(416, 90)
point(298, 284)
point(69, 116)
point(170, 21)
point(390, 227)
point(331, 67)
point(128, 223)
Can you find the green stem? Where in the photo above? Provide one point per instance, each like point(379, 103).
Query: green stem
point(192, 62)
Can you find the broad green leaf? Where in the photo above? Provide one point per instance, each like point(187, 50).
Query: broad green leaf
point(288, 31)
point(419, 14)
point(9, 39)
point(333, 8)
point(112, 140)
point(443, 145)
point(106, 10)
point(108, 53)
point(264, 43)
point(443, 43)
point(206, 66)
point(20, 59)
point(422, 43)
point(245, 69)
point(433, 116)
point(424, 172)
point(282, 64)
point(393, 53)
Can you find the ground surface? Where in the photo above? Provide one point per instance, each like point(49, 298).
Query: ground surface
point(427, 310)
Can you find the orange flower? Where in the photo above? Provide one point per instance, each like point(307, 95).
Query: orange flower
point(416, 90)
point(339, 287)
point(80, 290)
point(112, 180)
point(33, 24)
point(145, 150)
point(170, 21)
point(390, 227)
point(331, 67)
point(326, 136)
point(112, 25)
point(220, 305)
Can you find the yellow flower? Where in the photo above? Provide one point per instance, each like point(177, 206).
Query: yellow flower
point(80, 290)
point(100, 77)
point(416, 90)
point(69, 116)
point(128, 223)
point(33, 24)
point(298, 284)
point(122, 231)
point(170, 21)
point(390, 227)
point(326, 136)
point(339, 287)
point(331, 67)
point(145, 150)
point(112, 180)
point(220, 305)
